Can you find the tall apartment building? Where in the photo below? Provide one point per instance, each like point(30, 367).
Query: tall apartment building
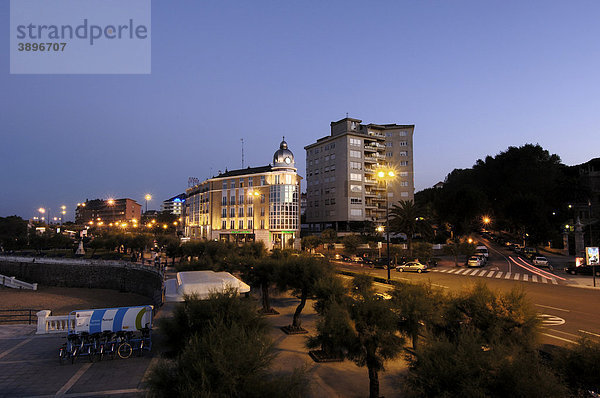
point(105, 212)
point(342, 189)
point(246, 205)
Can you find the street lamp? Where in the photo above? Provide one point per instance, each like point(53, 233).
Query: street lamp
point(385, 175)
point(64, 212)
point(147, 197)
point(42, 212)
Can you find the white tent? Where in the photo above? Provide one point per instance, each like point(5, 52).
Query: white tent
point(201, 283)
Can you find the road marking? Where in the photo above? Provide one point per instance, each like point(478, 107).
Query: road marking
point(516, 276)
point(22, 343)
point(73, 379)
point(491, 274)
point(586, 332)
point(474, 272)
point(533, 278)
point(550, 320)
point(507, 275)
point(525, 277)
point(559, 338)
point(565, 333)
point(441, 270)
point(499, 274)
point(552, 308)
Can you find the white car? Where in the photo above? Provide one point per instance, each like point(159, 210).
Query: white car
point(412, 266)
point(541, 261)
point(474, 261)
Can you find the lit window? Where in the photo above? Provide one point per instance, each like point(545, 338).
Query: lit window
point(356, 212)
point(232, 224)
point(355, 154)
point(356, 188)
point(355, 177)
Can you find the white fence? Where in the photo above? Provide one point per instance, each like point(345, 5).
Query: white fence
point(11, 281)
point(53, 324)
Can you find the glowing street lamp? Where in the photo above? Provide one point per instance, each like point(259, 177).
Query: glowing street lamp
point(147, 197)
point(385, 175)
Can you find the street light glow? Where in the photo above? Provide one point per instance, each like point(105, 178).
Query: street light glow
point(110, 202)
point(148, 197)
point(486, 220)
point(42, 210)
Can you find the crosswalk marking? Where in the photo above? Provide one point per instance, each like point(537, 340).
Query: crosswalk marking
point(498, 274)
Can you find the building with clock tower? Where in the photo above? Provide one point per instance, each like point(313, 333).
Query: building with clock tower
point(247, 205)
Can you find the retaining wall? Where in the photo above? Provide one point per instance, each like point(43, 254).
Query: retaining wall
point(106, 275)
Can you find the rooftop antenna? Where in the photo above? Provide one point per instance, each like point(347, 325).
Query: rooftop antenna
point(346, 114)
point(242, 152)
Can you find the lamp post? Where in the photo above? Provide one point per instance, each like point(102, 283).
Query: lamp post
point(42, 211)
point(385, 175)
point(111, 203)
point(147, 197)
point(64, 212)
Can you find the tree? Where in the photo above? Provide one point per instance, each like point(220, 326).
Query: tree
point(362, 327)
point(302, 274)
point(579, 365)
point(407, 218)
point(417, 306)
point(456, 247)
point(262, 274)
point(351, 243)
point(311, 242)
point(329, 236)
point(13, 233)
point(224, 353)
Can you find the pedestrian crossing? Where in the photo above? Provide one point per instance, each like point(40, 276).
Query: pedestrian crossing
point(517, 276)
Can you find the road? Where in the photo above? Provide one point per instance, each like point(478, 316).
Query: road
point(567, 311)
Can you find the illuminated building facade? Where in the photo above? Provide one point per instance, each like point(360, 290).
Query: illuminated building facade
point(246, 205)
point(103, 212)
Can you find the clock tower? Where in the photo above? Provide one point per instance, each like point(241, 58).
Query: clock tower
point(284, 158)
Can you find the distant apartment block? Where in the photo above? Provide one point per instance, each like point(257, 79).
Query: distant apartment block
point(248, 205)
point(104, 212)
point(174, 205)
point(342, 189)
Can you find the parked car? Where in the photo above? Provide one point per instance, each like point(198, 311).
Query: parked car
point(319, 255)
point(482, 250)
point(342, 257)
point(357, 259)
point(482, 259)
point(412, 266)
point(541, 261)
point(474, 261)
point(381, 262)
point(582, 270)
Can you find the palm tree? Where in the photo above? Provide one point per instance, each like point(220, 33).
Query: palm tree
point(407, 218)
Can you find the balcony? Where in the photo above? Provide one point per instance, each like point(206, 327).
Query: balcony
point(369, 181)
point(371, 148)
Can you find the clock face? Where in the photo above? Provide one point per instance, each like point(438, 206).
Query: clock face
point(288, 160)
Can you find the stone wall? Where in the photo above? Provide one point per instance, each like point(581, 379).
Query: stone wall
point(121, 277)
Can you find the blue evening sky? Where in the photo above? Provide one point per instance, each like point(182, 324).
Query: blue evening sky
point(474, 77)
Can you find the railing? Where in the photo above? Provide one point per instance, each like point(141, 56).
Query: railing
point(53, 324)
point(18, 315)
point(12, 282)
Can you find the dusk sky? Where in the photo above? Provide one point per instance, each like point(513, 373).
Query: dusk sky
point(473, 76)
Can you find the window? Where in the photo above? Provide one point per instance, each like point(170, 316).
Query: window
point(232, 224)
point(404, 174)
point(403, 143)
point(224, 212)
point(316, 150)
point(232, 212)
point(355, 177)
point(262, 180)
point(327, 158)
point(241, 202)
point(262, 211)
point(224, 201)
point(277, 179)
point(317, 171)
point(224, 184)
point(232, 200)
point(241, 224)
point(316, 203)
point(250, 224)
point(355, 201)
point(224, 225)
point(403, 153)
point(332, 201)
point(389, 134)
point(326, 202)
point(332, 145)
point(262, 198)
point(355, 154)
point(356, 165)
point(241, 183)
point(326, 147)
point(404, 163)
point(232, 185)
point(241, 212)
point(316, 161)
point(332, 157)
point(402, 133)
point(262, 224)
point(250, 211)
point(389, 154)
point(403, 183)
point(355, 141)
point(404, 194)
point(355, 188)
point(389, 144)
point(250, 181)
point(356, 212)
